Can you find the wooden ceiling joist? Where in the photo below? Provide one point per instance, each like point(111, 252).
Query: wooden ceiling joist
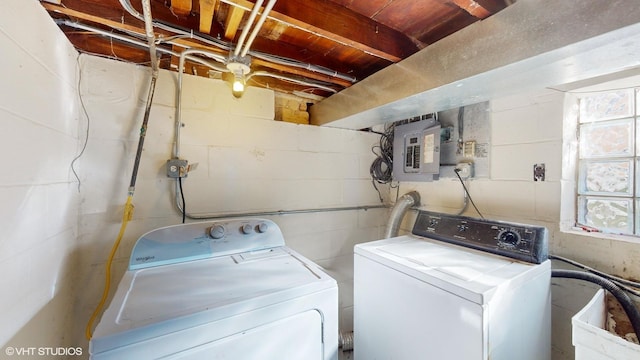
point(181, 7)
point(207, 9)
point(188, 43)
point(473, 8)
point(330, 20)
point(232, 22)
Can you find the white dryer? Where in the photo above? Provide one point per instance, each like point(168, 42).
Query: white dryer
point(457, 288)
point(227, 289)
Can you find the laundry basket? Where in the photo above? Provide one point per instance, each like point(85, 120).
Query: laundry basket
point(592, 341)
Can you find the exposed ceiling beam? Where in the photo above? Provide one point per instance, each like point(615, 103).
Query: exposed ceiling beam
point(473, 8)
point(181, 7)
point(332, 21)
point(232, 22)
point(207, 8)
point(187, 43)
point(530, 45)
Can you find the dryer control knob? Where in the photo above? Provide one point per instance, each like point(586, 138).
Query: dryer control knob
point(263, 227)
point(217, 231)
point(246, 229)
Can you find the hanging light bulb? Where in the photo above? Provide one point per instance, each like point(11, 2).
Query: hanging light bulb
point(239, 70)
point(237, 88)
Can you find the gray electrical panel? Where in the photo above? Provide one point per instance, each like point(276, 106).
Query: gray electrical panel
point(416, 151)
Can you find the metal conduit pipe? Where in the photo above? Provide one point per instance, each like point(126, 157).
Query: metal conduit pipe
point(140, 43)
point(126, 5)
point(293, 80)
point(403, 204)
point(178, 123)
point(217, 57)
point(245, 31)
point(217, 68)
point(269, 213)
point(151, 36)
point(154, 77)
point(257, 27)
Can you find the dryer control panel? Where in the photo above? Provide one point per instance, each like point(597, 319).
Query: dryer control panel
point(201, 240)
point(518, 241)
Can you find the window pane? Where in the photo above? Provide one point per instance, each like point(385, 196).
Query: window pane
point(606, 177)
point(605, 106)
point(606, 139)
point(606, 214)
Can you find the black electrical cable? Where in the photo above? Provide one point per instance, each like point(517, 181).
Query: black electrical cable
point(381, 168)
point(184, 205)
point(630, 309)
point(457, 171)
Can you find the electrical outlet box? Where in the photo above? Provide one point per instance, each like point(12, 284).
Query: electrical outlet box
point(469, 149)
point(466, 170)
point(177, 168)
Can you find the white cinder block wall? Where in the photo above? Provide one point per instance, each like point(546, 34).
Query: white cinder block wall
point(55, 240)
point(246, 162)
point(527, 129)
point(39, 198)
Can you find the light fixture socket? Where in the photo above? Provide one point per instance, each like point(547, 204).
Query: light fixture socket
point(239, 67)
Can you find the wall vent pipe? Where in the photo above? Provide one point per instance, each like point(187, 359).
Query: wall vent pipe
point(403, 204)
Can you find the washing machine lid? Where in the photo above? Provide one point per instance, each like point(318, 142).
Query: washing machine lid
point(154, 301)
point(471, 274)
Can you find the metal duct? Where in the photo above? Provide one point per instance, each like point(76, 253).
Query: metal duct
point(528, 46)
point(403, 204)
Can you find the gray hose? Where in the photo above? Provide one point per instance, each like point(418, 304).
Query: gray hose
point(403, 204)
point(625, 301)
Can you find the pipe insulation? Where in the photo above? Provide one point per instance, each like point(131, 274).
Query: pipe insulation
point(625, 301)
point(403, 204)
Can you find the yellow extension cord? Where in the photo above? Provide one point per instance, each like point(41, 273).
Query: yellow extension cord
point(126, 216)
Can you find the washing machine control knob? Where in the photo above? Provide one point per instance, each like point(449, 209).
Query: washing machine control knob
point(262, 227)
point(246, 229)
point(509, 237)
point(217, 231)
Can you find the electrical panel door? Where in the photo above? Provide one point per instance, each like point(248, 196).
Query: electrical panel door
point(416, 151)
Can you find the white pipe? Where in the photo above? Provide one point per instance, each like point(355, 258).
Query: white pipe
point(293, 80)
point(151, 36)
point(397, 213)
point(178, 123)
point(126, 5)
point(137, 42)
point(256, 28)
point(245, 30)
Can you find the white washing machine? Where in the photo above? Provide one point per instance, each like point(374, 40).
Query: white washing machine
point(457, 288)
point(228, 289)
